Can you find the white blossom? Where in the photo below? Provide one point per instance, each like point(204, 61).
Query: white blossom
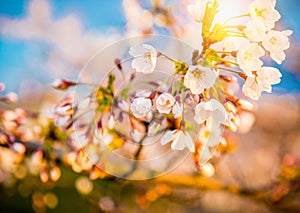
point(265, 12)
point(19, 148)
point(263, 81)
point(145, 57)
point(177, 110)
point(212, 111)
point(179, 139)
point(230, 44)
point(11, 97)
point(79, 139)
point(64, 110)
point(199, 78)
point(233, 121)
point(165, 102)
point(276, 42)
point(210, 136)
point(62, 121)
point(111, 122)
point(252, 89)
point(268, 76)
point(197, 10)
point(248, 58)
point(255, 31)
point(140, 107)
point(103, 137)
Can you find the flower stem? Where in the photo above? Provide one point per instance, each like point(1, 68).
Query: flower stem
point(237, 35)
point(224, 52)
point(230, 70)
point(168, 57)
point(236, 17)
point(165, 81)
point(231, 62)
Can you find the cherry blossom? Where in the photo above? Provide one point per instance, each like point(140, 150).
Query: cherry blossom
point(165, 102)
point(255, 31)
point(199, 78)
point(79, 139)
point(263, 81)
point(102, 137)
point(210, 136)
point(145, 57)
point(265, 12)
point(197, 9)
point(212, 111)
point(63, 121)
point(177, 110)
point(180, 140)
point(276, 42)
point(248, 58)
point(140, 107)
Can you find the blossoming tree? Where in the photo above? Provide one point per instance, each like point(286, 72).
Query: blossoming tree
point(111, 129)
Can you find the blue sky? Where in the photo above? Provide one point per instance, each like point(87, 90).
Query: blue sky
point(95, 15)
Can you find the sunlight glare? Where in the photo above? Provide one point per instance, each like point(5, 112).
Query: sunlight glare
point(230, 8)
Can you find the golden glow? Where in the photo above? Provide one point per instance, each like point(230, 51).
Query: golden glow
point(231, 8)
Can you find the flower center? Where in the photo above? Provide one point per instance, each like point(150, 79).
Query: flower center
point(247, 56)
point(148, 57)
point(261, 13)
point(197, 73)
point(273, 40)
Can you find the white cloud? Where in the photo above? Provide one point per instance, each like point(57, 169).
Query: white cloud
point(71, 46)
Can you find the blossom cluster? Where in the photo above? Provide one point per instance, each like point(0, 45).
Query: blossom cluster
point(256, 37)
point(202, 86)
point(189, 110)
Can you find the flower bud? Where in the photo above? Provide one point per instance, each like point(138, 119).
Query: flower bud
point(181, 67)
point(19, 148)
point(62, 84)
point(207, 170)
point(2, 86)
point(11, 97)
point(55, 173)
point(118, 63)
point(111, 122)
point(44, 176)
point(245, 105)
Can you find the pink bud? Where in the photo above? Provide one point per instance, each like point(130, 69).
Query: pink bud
point(11, 97)
point(62, 84)
point(118, 63)
point(245, 105)
point(19, 148)
point(2, 86)
point(55, 173)
point(44, 176)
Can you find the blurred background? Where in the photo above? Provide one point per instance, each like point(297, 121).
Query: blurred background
point(41, 40)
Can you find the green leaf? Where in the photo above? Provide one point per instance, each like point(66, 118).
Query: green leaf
point(105, 95)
